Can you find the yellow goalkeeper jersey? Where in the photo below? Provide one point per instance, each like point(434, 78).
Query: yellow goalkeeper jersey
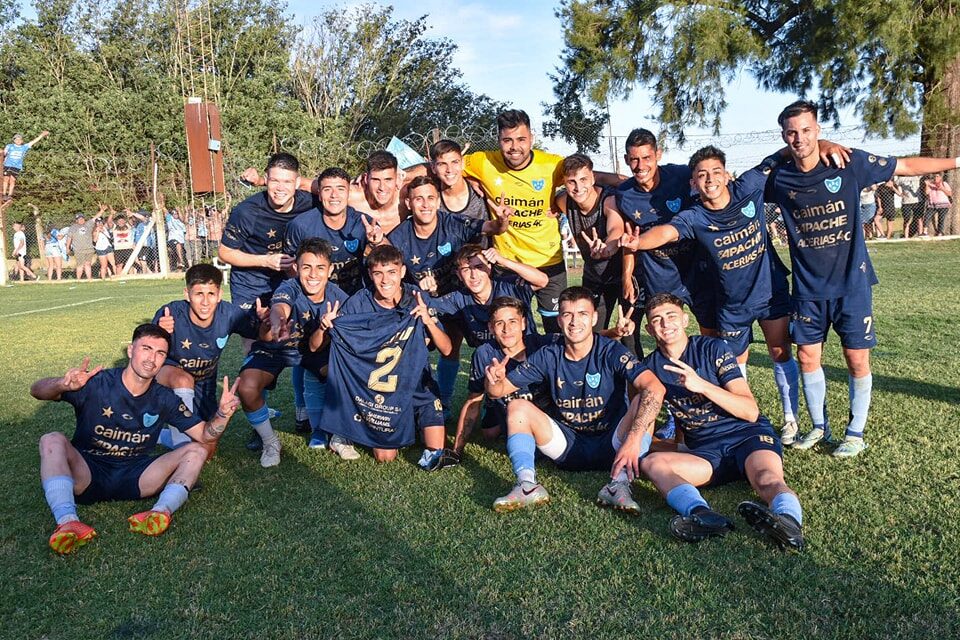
point(534, 236)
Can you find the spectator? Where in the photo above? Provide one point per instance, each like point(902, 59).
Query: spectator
point(189, 220)
point(938, 204)
point(214, 224)
point(912, 206)
point(80, 241)
point(20, 254)
point(868, 210)
point(103, 245)
point(122, 240)
point(203, 245)
point(53, 253)
point(147, 257)
point(13, 155)
point(176, 237)
point(887, 195)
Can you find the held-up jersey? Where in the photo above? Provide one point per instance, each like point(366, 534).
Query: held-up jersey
point(821, 209)
point(436, 253)
point(700, 420)
point(197, 350)
point(348, 242)
point(112, 424)
point(736, 241)
point(378, 361)
point(474, 317)
point(596, 273)
point(533, 237)
point(254, 227)
point(589, 395)
point(668, 268)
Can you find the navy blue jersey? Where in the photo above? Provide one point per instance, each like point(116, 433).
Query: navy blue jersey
point(197, 350)
point(486, 352)
point(589, 395)
point(378, 363)
point(663, 270)
point(595, 272)
point(474, 317)
point(437, 252)
point(256, 228)
point(116, 425)
point(736, 241)
point(700, 420)
point(349, 243)
point(305, 314)
point(821, 213)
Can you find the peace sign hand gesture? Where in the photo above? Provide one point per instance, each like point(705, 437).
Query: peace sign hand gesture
point(496, 371)
point(625, 326)
point(631, 237)
point(374, 231)
point(76, 378)
point(687, 376)
point(598, 248)
point(326, 320)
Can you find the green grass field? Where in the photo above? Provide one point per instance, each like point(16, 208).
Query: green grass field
point(321, 548)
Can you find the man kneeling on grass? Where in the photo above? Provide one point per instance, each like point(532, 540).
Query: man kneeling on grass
point(726, 437)
point(120, 413)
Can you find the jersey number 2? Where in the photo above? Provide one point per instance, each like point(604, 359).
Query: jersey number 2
point(380, 378)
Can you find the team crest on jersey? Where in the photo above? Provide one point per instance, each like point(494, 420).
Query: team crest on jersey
point(750, 210)
point(445, 249)
point(833, 184)
point(673, 205)
point(593, 380)
point(150, 419)
point(351, 245)
point(222, 342)
point(378, 399)
point(538, 184)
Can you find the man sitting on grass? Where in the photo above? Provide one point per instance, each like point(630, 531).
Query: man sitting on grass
point(119, 416)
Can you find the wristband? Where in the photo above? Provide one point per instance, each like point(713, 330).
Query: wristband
point(221, 414)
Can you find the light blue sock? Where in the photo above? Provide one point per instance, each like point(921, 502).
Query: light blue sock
point(815, 393)
point(521, 448)
point(260, 421)
point(684, 498)
point(296, 378)
point(743, 369)
point(314, 395)
point(58, 491)
point(860, 391)
point(447, 369)
point(787, 376)
point(787, 504)
point(171, 498)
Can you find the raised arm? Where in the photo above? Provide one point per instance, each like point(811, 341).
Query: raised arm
point(650, 239)
point(72, 380)
point(238, 258)
point(211, 430)
point(918, 166)
point(38, 139)
point(531, 275)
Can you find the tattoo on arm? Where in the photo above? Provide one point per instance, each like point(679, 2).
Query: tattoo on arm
point(215, 428)
point(646, 411)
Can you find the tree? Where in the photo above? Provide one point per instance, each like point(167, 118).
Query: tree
point(897, 62)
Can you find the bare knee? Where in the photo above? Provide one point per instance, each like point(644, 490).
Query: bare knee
point(250, 392)
point(809, 359)
point(384, 455)
point(194, 452)
point(51, 443)
point(180, 379)
point(519, 415)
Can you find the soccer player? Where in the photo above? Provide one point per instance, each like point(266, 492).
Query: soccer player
point(13, 155)
point(119, 415)
point(379, 195)
point(728, 223)
point(379, 388)
point(296, 309)
point(456, 195)
point(726, 437)
point(832, 273)
point(199, 327)
point(591, 425)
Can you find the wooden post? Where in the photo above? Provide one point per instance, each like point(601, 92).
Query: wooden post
point(3, 241)
point(38, 229)
point(159, 218)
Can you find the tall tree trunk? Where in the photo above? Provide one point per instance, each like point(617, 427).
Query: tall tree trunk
point(940, 134)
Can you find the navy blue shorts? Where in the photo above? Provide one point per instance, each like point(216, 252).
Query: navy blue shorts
point(273, 362)
point(736, 325)
point(245, 300)
point(850, 316)
point(117, 479)
point(427, 408)
point(205, 400)
point(593, 452)
point(728, 455)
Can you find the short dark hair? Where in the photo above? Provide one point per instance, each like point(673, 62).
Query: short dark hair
point(441, 147)
point(507, 302)
point(150, 330)
point(286, 161)
point(203, 274)
point(380, 160)
point(658, 299)
point(572, 294)
point(467, 252)
point(316, 246)
point(333, 172)
point(708, 152)
point(511, 119)
point(795, 109)
point(640, 138)
point(384, 254)
point(419, 181)
point(575, 162)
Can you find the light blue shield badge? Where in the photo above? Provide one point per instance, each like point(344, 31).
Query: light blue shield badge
point(538, 184)
point(222, 341)
point(750, 210)
point(445, 249)
point(593, 380)
point(150, 419)
point(351, 245)
point(673, 205)
point(833, 184)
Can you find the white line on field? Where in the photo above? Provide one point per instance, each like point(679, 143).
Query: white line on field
point(62, 306)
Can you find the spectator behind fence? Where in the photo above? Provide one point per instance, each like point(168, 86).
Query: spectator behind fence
point(80, 242)
point(912, 205)
point(176, 238)
point(888, 195)
point(20, 254)
point(103, 245)
point(122, 240)
point(53, 253)
point(868, 210)
point(938, 204)
point(147, 258)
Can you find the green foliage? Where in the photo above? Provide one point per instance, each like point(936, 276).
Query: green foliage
point(886, 59)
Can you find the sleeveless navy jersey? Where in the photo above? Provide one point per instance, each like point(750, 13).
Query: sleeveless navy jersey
point(305, 314)
point(474, 317)
point(698, 417)
point(476, 207)
point(435, 253)
point(254, 227)
point(112, 424)
point(378, 360)
point(588, 395)
point(736, 241)
point(349, 243)
point(665, 269)
point(821, 214)
point(197, 350)
point(595, 272)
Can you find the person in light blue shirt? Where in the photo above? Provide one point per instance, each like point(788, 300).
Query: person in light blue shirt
point(13, 155)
